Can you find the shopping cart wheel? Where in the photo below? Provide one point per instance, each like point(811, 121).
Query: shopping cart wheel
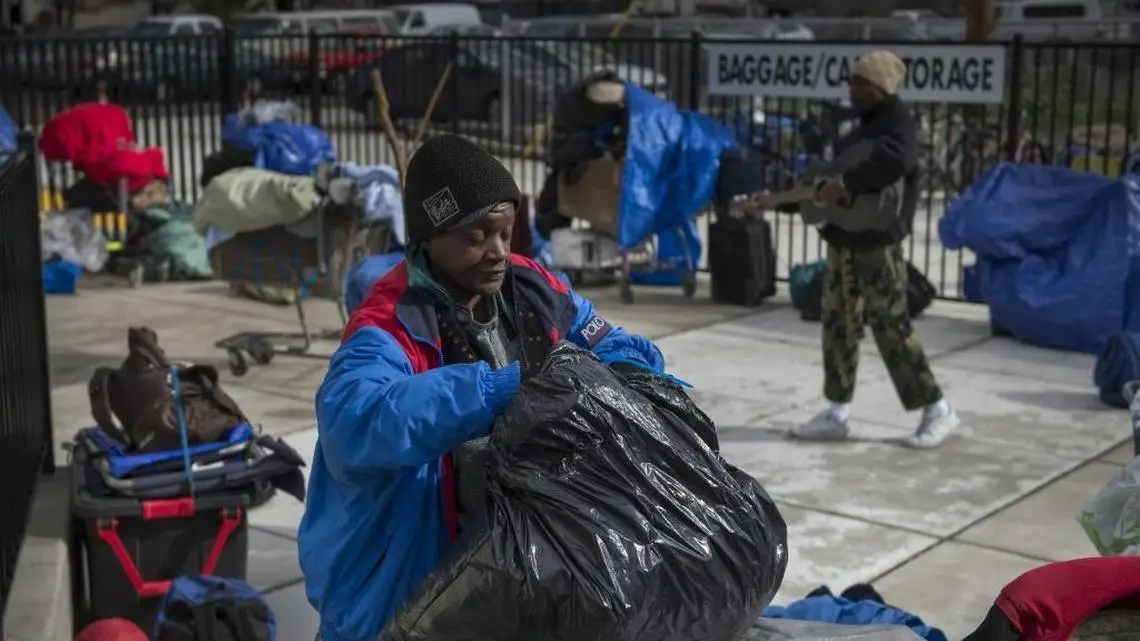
point(261, 351)
point(237, 362)
point(626, 292)
point(689, 285)
point(136, 275)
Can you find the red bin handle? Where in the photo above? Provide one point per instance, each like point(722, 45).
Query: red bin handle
point(108, 530)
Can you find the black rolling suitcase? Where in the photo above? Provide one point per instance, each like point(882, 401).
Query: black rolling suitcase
point(742, 261)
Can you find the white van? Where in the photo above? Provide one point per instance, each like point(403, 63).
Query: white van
point(1039, 20)
point(186, 24)
point(419, 19)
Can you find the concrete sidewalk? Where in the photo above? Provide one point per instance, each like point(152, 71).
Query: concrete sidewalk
point(938, 532)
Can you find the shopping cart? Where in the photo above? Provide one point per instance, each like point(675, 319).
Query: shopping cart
point(311, 265)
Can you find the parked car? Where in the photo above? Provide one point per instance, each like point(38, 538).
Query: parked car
point(169, 70)
point(301, 23)
point(411, 74)
point(35, 63)
point(585, 58)
point(349, 39)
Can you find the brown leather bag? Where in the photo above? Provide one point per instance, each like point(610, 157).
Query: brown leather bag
point(136, 403)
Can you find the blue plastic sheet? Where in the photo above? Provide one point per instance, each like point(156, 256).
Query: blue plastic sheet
point(284, 147)
point(61, 276)
point(379, 187)
point(833, 609)
point(669, 264)
point(1058, 252)
point(671, 164)
point(8, 133)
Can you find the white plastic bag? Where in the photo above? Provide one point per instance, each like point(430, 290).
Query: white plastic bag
point(72, 236)
point(1112, 517)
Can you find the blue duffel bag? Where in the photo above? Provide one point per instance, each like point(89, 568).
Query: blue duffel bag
point(1117, 363)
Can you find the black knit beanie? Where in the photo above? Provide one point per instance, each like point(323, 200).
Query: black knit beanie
point(451, 181)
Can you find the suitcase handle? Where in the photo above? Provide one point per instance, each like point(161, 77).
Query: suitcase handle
point(108, 530)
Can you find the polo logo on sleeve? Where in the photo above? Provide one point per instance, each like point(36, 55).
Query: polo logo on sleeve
point(594, 330)
point(441, 207)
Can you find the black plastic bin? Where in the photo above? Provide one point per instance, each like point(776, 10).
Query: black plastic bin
point(125, 551)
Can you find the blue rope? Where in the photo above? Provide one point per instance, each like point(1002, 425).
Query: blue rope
point(183, 433)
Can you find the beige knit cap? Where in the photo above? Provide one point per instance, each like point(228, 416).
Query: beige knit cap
point(883, 69)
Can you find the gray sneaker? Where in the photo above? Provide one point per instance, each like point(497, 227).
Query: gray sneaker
point(822, 427)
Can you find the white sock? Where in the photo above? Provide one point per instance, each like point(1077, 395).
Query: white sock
point(840, 411)
point(939, 409)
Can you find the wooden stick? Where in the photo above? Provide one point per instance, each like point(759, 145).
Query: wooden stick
point(386, 125)
point(421, 129)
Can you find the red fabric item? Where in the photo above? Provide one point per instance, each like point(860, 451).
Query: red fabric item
point(1049, 603)
point(555, 283)
point(112, 630)
point(97, 140)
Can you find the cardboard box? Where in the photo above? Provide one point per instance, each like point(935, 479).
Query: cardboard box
point(596, 195)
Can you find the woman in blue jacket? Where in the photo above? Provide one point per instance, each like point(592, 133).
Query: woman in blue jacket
point(434, 353)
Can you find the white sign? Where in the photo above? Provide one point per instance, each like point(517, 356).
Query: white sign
point(963, 73)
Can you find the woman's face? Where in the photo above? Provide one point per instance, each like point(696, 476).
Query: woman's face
point(474, 258)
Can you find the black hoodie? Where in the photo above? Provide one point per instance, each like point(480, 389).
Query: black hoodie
point(892, 128)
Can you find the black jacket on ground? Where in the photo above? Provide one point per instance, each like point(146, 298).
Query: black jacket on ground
point(892, 128)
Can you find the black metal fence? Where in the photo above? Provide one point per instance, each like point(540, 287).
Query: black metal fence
point(25, 391)
point(1064, 102)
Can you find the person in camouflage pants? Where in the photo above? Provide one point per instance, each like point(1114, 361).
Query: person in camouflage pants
point(872, 285)
point(866, 277)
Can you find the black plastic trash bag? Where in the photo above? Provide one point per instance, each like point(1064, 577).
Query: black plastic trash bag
point(610, 517)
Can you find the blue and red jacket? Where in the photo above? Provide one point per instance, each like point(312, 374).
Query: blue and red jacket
point(381, 508)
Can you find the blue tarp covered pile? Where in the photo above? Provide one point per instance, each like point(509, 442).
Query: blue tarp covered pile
point(1058, 252)
point(279, 145)
point(671, 164)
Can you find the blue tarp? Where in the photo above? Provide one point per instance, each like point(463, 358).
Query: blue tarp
point(671, 164)
point(833, 609)
point(61, 276)
point(380, 190)
point(8, 133)
point(669, 263)
point(1058, 252)
point(284, 147)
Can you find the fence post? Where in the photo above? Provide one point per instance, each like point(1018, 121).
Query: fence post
point(506, 95)
point(453, 79)
point(229, 105)
point(695, 70)
point(316, 83)
point(1013, 123)
point(26, 143)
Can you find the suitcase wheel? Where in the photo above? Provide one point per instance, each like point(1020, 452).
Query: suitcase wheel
point(689, 286)
point(626, 292)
